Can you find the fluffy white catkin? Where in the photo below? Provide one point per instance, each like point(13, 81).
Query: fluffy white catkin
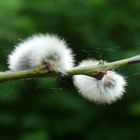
point(41, 49)
point(105, 91)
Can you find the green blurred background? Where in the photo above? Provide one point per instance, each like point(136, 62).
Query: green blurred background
point(51, 108)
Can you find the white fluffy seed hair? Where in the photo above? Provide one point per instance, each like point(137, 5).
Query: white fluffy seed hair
point(40, 49)
point(105, 91)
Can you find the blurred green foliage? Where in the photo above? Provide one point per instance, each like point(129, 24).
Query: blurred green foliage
point(50, 108)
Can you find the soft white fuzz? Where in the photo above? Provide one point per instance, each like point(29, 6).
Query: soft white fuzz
point(41, 49)
point(107, 90)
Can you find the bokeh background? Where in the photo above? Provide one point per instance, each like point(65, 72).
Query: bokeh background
point(51, 108)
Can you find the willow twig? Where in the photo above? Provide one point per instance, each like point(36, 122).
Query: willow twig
point(42, 71)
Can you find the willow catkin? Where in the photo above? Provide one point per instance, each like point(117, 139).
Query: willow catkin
point(41, 49)
point(105, 91)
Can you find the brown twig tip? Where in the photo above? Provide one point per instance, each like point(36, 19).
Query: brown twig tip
point(133, 60)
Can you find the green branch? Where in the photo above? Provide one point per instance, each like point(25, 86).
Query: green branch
point(42, 71)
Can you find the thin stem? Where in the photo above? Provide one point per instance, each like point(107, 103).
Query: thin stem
point(94, 70)
point(42, 71)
